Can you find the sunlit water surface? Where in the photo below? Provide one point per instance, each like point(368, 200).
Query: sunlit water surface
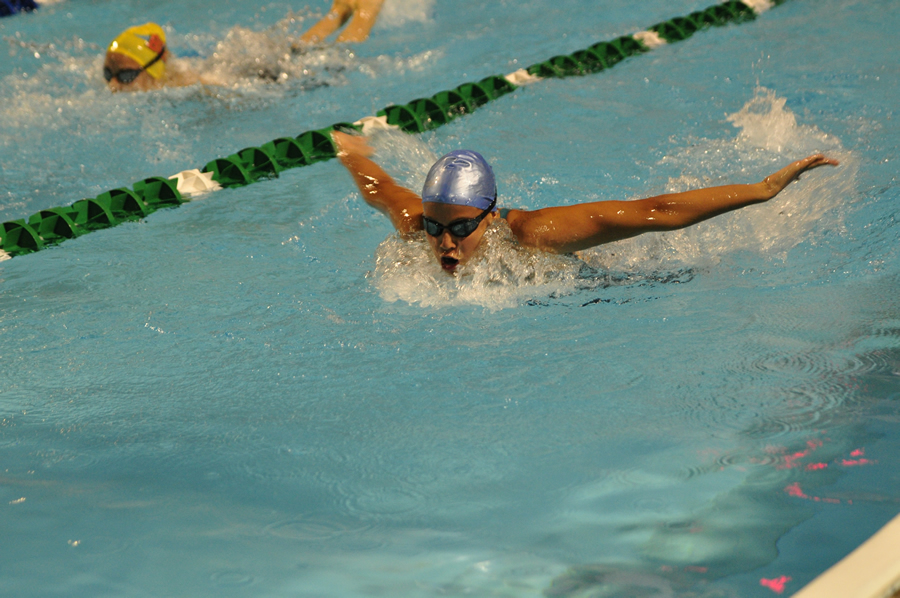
point(265, 392)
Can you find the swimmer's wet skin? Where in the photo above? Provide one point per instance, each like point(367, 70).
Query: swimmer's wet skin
point(458, 204)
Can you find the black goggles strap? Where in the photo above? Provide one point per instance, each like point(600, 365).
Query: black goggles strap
point(155, 60)
point(109, 75)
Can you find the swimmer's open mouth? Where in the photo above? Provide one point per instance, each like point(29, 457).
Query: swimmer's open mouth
point(449, 263)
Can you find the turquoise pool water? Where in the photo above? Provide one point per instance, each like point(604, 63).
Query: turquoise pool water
point(245, 396)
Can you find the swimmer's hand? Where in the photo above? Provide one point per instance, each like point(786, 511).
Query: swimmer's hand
point(774, 183)
point(351, 145)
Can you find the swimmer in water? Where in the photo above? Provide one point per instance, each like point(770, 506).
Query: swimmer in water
point(459, 202)
point(360, 13)
point(138, 60)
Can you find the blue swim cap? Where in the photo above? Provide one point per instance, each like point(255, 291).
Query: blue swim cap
point(462, 177)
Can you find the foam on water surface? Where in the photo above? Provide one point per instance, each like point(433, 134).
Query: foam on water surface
point(769, 138)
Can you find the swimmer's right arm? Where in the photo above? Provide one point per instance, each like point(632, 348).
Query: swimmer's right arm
point(378, 189)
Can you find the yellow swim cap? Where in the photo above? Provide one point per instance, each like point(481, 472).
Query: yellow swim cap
point(142, 43)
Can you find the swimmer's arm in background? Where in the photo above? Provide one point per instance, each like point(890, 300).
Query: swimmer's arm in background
point(338, 14)
point(572, 228)
point(402, 206)
point(363, 13)
point(364, 16)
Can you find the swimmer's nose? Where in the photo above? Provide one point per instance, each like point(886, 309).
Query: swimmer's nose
point(447, 241)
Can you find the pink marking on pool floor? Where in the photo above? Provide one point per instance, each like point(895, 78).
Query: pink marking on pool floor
point(790, 461)
point(795, 490)
point(776, 585)
point(853, 462)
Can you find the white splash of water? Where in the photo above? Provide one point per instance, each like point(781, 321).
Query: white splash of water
point(47, 95)
point(500, 275)
point(769, 139)
point(395, 13)
point(246, 57)
point(766, 123)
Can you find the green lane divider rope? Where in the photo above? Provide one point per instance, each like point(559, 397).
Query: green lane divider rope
point(54, 225)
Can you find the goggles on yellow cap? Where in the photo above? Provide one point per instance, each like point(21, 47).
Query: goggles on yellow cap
point(144, 44)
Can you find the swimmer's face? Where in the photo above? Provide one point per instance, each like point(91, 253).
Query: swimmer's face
point(116, 62)
point(449, 250)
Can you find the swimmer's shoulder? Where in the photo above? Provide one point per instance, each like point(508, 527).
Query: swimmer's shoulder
point(514, 217)
point(521, 223)
point(511, 215)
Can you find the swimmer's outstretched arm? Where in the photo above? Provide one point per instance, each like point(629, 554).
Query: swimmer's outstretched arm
point(573, 228)
point(402, 206)
point(363, 13)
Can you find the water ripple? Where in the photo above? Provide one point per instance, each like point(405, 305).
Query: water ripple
point(103, 546)
point(313, 528)
point(382, 502)
point(231, 578)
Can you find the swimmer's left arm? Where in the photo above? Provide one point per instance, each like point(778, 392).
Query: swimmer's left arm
point(573, 228)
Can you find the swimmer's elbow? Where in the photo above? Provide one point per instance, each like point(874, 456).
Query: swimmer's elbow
point(661, 215)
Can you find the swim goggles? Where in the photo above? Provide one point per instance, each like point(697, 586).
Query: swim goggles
point(458, 228)
point(126, 76)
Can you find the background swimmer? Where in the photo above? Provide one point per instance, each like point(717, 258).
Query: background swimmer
point(458, 204)
point(361, 14)
point(138, 60)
